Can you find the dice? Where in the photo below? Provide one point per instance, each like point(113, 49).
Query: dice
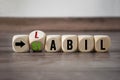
point(102, 43)
point(20, 43)
point(69, 43)
point(85, 43)
point(53, 43)
point(37, 40)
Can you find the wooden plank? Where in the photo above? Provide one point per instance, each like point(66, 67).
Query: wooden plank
point(59, 66)
point(59, 24)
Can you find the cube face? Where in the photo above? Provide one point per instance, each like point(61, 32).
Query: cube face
point(85, 43)
point(53, 43)
point(36, 45)
point(69, 43)
point(37, 40)
point(20, 43)
point(102, 43)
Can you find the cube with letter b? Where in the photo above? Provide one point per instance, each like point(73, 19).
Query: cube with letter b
point(69, 43)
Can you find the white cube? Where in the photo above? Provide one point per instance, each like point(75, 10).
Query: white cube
point(102, 43)
point(20, 43)
point(85, 43)
point(69, 43)
point(53, 43)
point(37, 40)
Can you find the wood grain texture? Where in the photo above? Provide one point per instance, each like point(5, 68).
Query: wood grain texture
point(59, 24)
point(59, 66)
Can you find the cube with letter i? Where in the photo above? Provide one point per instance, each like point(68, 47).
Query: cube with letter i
point(37, 40)
point(85, 43)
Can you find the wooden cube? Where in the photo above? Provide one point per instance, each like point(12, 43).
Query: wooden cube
point(53, 43)
point(69, 43)
point(20, 43)
point(102, 43)
point(37, 40)
point(85, 43)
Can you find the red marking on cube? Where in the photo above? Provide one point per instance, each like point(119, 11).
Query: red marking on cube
point(36, 35)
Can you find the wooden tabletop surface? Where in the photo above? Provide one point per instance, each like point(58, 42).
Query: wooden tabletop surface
point(58, 24)
point(60, 66)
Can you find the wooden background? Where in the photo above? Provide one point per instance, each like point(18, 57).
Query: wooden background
point(59, 66)
point(59, 24)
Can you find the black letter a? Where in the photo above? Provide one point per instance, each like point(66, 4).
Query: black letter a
point(53, 45)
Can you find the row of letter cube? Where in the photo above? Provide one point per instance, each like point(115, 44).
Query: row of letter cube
point(38, 40)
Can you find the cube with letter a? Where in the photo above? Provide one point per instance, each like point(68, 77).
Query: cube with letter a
point(53, 43)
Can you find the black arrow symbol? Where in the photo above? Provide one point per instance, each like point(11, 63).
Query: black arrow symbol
point(21, 44)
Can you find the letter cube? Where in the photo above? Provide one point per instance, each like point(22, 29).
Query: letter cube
point(69, 43)
point(85, 43)
point(37, 40)
point(102, 43)
point(20, 43)
point(53, 43)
